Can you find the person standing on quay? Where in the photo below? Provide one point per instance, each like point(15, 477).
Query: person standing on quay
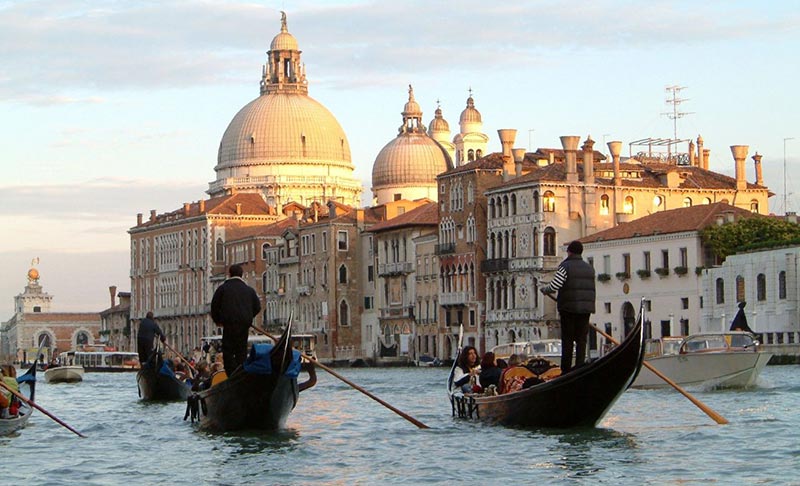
point(148, 330)
point(575, 283)
point(233, 307)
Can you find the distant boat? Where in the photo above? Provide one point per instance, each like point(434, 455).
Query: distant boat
point(550, 349)
point(63, 374)
point(730, 359)
point(580, 398)
point(27, 383)
point(107, 361)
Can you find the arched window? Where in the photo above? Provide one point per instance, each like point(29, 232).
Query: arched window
point(479, 153)
point(549, 202)
point(82, 338)
point(344, 313)
point(470, 192)
point(604, 204)
point(754, 206)
point(549, 241)
point(513, 204)
point(535, 201)
point(782, 285)
point(264, 249)
point(687, 202)
point(470, 154)
point(627, 205)
point(220, 250)
point(44, 340)
point(343, 274)
point(706, 200)
point(761, 287)
point(264, 282)
point(739, 288)
point(720, 291)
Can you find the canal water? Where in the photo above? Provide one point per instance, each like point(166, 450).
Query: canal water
point(337, 436)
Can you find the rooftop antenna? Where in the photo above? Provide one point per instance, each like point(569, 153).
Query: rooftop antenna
point(674, 100)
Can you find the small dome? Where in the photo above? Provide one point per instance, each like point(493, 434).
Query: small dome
point(411, 158)
point(438, 124)
point(411, 108)
point(284, 41)
point(470, 114)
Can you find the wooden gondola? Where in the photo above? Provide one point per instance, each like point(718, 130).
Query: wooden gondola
point(157, 384)
point(10, 425)
point(253, 398)
point(580, 398)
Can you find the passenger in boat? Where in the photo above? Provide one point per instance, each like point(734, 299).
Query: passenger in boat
point(509, 378)
point(490, 373)
point(148, 330)
point(9, 404)
point(467, 370)
point(233, 307)
point(575, 283)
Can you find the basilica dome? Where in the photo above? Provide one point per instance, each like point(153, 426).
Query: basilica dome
point(409, 164)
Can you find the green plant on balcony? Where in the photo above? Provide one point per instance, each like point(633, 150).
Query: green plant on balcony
point(603, 277)
point(105, 332)
point(623, 275)
point(699, 270)
point(643, 273)
point(664, 271)
point(681, 270)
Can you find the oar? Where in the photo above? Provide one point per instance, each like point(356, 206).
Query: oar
point(179, 355)
point(705, 408)
point(41, 409)
point(353, 385)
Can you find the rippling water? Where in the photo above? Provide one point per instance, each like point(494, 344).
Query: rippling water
point(338, 436)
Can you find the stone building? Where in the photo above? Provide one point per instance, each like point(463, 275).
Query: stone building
point(115, 327)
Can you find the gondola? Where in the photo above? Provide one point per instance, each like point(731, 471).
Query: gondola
point(580, 398)
point(259, 395)
point(10, 425)
point(157, 382)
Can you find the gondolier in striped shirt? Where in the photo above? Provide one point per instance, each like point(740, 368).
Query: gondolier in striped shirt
point(575, 283)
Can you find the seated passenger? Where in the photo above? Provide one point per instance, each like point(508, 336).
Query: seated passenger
point(515, 375)
point(9, 404)
point(490, 373)
point(467, 370)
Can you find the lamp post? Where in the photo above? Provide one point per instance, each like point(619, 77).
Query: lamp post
point(785, 194)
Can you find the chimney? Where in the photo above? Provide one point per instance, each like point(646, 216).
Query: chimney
point(739, 155)
point(113, 291)
point(507, 136)
point(588, 160)
point(692, 158)
point(138, 219)
point(519, 156)
point(759, 175)
point(202, 204)
point(552, 158)
point(700, 154)
point(614, 149)
point(570, 145)
point(152, 215)
point(706, 154)
point(238, 209)
point(186, 208)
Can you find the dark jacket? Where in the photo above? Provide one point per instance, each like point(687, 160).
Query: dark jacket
point(577, 295)
point(148, 329)
point(234, 305)
point(490, 376)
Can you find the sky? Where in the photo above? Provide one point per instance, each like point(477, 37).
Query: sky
point(113, 108)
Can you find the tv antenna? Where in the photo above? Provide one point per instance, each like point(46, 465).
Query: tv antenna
point(675, 101)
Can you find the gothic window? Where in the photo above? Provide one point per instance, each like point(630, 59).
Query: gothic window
point(720, 291)
point(344, 313)
point(220, 250)
point(513, 204)
point(627, 205)
point(782, 285)
point(470, 193)
point(549, 241)
point(604, 204)
point(761, 287)
point(548, 202)
point(535, 201)
point(343, 274)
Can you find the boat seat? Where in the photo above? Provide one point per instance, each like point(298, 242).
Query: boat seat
point(512, 378)
point(218, 377)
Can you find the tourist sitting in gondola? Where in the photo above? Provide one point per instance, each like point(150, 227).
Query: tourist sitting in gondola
point(513, 377)
point(490, 372)
point(467, 370)
point(9, 404)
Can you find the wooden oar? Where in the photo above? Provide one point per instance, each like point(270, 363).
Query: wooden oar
point(41, 409)
point(353, 385)
point(705, 408)
point(179, 355)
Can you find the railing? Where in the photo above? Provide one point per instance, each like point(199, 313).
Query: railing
point(396, 312)
point(395, 268)
point(445, 248)
point(289, 260)
point(494, 265)
point(453, 298)
point(303, 290)
point(501, 315)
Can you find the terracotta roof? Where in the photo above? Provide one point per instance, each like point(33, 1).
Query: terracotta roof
point(679, 220)
point(426, 215)
point(251, 204)
point(61, 316)
point(233, 233)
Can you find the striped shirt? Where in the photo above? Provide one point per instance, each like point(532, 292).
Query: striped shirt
point(557, 282)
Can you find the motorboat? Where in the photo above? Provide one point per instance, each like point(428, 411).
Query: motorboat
point(63, 374)
point(731, 359)
point(550, 349)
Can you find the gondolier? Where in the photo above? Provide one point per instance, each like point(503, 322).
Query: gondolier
point(575, 283)
point(233, 307)
point(148, 330)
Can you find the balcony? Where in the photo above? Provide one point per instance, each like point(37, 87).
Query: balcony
point(398, 268)
point(507, 315)
point(453, 298)
point(303, 290)
point(494, 265)
point(445, 248)
point(289, 260)
point(398, 312)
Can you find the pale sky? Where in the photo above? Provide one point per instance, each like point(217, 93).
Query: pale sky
point(108, 108)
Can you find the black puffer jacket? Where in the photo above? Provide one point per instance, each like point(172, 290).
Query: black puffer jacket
point(577, 295)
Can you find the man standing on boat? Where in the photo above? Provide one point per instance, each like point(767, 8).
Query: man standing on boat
point(233, 307)
point(148, 330)
point(575, 283)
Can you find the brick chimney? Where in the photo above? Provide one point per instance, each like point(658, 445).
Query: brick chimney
point(507, 136)
point(202, 204)
point(739, 155)
point(614, 148)
point(238, 209)
point(706, 156)
point(152, 215)
point(700, 160)
point(519, 156)
point(138, 219)
point(759, 175)
point(588, 160)
point(113, 291)
point(186, 208)
point(570, 145)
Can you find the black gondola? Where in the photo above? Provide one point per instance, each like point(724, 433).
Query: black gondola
point(261, 394)
point(157, 382)
point(580, 398)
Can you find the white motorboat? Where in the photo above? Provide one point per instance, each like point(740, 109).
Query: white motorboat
point(549, 349)
point(64, 374)
point(717, 360)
